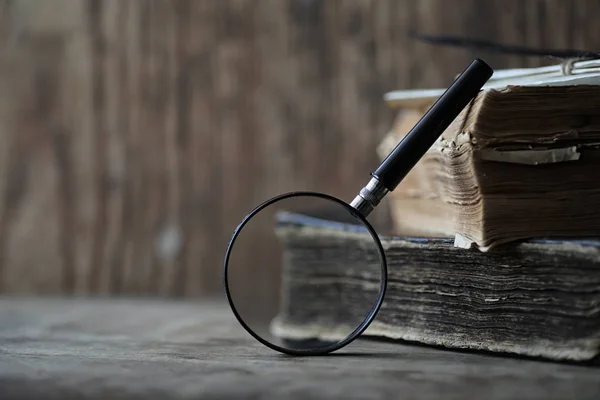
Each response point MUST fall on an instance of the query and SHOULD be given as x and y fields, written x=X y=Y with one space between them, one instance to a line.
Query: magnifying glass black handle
x=423 y=135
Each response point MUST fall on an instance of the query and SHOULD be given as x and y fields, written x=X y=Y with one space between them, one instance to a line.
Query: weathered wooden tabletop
x=145 y=349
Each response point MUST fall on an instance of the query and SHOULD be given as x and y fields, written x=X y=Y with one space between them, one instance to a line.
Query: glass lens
x=305 y=273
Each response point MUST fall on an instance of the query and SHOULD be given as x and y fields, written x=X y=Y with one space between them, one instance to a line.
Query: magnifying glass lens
x=305 y=273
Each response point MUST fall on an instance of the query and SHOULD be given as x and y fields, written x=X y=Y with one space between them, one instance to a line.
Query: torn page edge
x=463 y=242
x=530 y=157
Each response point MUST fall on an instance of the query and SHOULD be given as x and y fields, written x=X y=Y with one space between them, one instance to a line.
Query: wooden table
x=146 y=349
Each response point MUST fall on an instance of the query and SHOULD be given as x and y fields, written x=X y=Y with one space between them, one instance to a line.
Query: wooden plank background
x=135 y=134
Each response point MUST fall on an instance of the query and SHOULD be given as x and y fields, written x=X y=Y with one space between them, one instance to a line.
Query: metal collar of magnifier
x=369 y=197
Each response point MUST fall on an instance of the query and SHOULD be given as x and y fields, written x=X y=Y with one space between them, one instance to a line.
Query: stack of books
x=494 y=245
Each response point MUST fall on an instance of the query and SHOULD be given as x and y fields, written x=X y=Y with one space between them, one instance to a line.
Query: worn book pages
x=519 y=162
x=537 y=298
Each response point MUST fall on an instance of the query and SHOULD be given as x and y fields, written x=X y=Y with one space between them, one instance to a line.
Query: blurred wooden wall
x=135 y=133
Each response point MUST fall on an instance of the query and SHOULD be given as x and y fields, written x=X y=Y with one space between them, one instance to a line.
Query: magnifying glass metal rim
x=366 y=322
x=386 y=177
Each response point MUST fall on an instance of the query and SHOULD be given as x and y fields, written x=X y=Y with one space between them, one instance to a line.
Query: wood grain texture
x=147 y=349
x=136 y=134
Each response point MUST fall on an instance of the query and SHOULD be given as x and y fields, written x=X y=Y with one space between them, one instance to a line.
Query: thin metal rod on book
x=423 y=135
x=495 y=47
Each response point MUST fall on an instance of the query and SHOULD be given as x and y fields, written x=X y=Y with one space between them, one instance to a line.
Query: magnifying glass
x=316 y=308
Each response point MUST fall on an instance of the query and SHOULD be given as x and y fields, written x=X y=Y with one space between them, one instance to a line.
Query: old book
x=535 y=298
x=522 y=161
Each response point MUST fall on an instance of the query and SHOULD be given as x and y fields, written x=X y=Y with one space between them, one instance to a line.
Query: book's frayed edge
x=581 y=246
x=574 y=350
x=516 y=156
x=530 y=157
x=464 y=242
